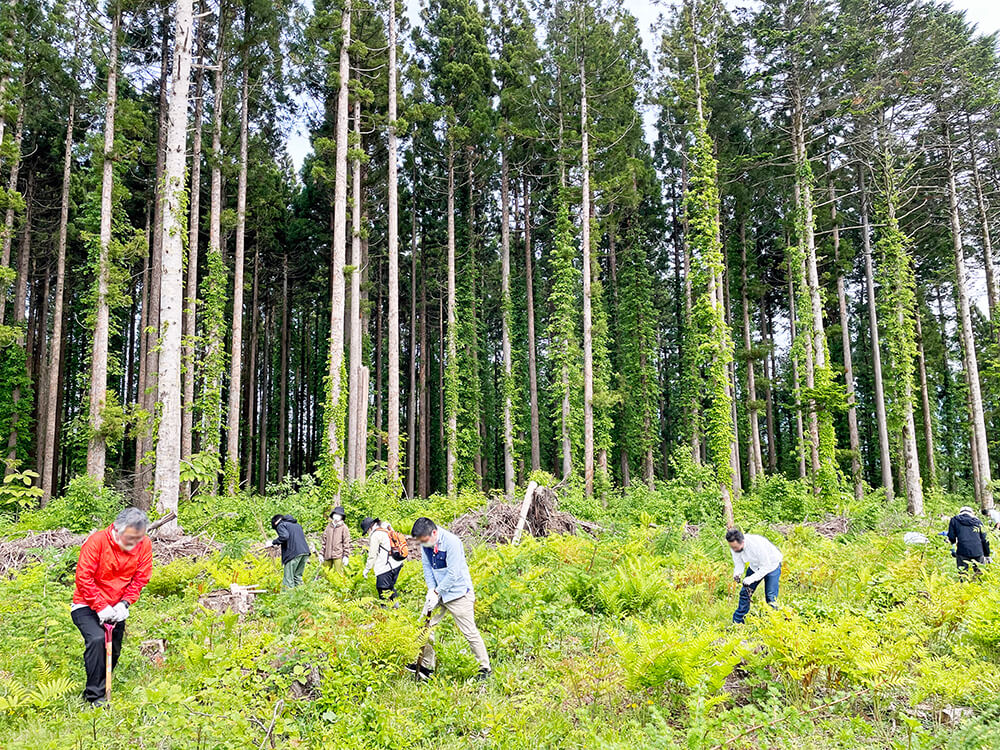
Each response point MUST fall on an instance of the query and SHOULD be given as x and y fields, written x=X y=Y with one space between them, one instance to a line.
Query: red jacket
x=106 y=574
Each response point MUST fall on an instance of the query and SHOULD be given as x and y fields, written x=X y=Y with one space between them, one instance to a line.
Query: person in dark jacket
x=966 y=532
x=294 y=549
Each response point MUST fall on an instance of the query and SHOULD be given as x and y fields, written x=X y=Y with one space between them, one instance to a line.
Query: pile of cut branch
x=16 y=553
x=498 y=522
x=831 y=528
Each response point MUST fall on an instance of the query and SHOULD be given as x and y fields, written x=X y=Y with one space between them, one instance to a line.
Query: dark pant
x=385 y=583
x=963 y=563
x=92 y=630
x=746 y=591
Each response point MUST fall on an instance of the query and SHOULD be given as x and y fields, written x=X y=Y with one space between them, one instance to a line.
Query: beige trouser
x=463 y=612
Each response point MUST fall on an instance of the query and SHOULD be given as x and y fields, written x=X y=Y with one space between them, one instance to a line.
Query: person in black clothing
x=294 y=549
x=966 y=532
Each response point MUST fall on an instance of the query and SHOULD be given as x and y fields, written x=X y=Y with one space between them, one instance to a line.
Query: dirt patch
x=831 y=528
x=16 y=553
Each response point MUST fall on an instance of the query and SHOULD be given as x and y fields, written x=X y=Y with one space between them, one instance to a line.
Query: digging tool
x=109 y=629
x=424 y=631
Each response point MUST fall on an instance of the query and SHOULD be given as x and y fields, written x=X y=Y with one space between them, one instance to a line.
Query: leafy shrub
x=378 y=499
x=774 y=498
x=17 y=492
x=664 y=655
x=86 y=505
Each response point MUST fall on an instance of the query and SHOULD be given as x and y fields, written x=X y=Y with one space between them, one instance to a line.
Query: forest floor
x=618 y=640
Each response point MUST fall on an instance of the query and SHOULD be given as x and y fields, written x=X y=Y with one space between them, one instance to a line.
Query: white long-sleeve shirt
x=379 y=559
x=759 y=554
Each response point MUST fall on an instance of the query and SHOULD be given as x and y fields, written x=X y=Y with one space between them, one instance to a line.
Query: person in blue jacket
x=449 y=590
x=294 y=549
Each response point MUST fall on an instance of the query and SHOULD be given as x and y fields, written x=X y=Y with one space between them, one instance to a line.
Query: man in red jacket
x=115 y=563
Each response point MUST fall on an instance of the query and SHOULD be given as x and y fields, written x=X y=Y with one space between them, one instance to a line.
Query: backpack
x=397 y=545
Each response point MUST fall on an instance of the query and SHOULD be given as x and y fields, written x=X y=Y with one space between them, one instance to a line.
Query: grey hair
x=131 y=518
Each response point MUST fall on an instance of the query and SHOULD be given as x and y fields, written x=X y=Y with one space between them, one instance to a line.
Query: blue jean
x=746 y=591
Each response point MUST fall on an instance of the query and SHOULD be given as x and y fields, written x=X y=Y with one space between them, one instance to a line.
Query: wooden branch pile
x=831 y=528
x=16 y=553
x=501 y=522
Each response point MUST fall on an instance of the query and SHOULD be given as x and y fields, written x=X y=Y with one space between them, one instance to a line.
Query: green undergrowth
x=618 y=642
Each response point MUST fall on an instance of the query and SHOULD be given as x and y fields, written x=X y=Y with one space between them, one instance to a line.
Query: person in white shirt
x=755 y=559
x=380 y=558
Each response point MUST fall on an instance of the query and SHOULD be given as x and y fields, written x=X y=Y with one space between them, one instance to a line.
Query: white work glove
x=121 y=611
x=347 y=560
x=107 y=615
x=430 y=602
x=364 y=573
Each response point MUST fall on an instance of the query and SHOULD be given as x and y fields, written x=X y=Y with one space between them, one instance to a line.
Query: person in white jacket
x=380 y=561
x=755 y=559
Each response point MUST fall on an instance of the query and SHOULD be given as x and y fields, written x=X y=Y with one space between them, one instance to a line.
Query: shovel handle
x=109 y=628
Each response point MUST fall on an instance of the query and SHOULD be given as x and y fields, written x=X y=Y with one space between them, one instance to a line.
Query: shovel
x=420 y=656
x=109 y=628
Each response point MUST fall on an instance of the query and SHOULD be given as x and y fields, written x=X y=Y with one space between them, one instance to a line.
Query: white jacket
x=759 y=554
x=379 y=559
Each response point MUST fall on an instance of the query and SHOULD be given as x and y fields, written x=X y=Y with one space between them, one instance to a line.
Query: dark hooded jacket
x=291 y=538
x=969 y=536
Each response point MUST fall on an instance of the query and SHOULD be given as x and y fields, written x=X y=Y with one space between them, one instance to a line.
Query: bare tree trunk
x=424 y=408
x=168 y=444
x=473 y=346
x=140 y=484
x=283 y=376
x=925 y=403
x=355 y=400
x=232 y=472
x=968 y=341
x=767 y=335
x=265 y=386
x=452 y=364
x=529 y=256
x=411 y=410
x=23 y=279
x=392 y=455
x=250 y=394
x=845 y=340
x=588 y=343
x=99 y=350
x=55 y=347
x=441 y=367
x=505 y=304
x=984 y=225
x=191 y=292
x=796 y=389
x=144 y=476
x=883 y=433
x=756 y=463
x=334 y=426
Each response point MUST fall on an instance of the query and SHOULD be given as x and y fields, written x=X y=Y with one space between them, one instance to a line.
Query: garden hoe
x=109 y=628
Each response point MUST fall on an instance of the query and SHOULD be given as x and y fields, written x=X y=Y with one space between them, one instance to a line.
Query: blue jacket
x=445 y=569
